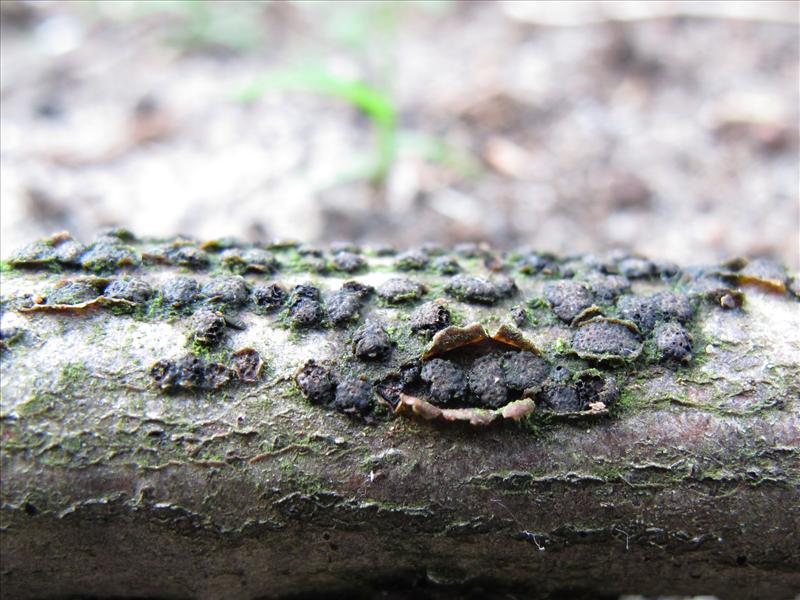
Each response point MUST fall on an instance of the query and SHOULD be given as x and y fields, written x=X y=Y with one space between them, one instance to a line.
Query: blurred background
x=666 y=128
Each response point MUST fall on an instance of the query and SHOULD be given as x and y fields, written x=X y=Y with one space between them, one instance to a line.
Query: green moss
x=398 y=337
x=402 y=299
x=333 y=271
x=538 y=424
x=200 y=350
x=490 y=319
x=13 y=338
x=38 y=404
x=54 y=267
x=531 y=318
x=539 y=313
x=578 y=374
x=71 y=444
x=561 y=347
x=457 y=318
x=609 y=471
x=292 y=392
x=650 y=353
x=630 y=399
x=155 y=308
x=293 y=262
x=5 y=266
x=538 y=303
x=700 y=341
x=381 y=410
x=121 y=309
x=73 y=373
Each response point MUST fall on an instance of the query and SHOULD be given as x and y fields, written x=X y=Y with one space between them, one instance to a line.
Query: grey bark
x=113 y=487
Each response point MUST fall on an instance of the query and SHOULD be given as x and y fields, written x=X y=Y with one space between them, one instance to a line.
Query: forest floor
x=556 y=126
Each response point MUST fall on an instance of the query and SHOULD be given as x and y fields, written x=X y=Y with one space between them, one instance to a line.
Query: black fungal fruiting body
x=354 y=396
x=607 y=288
x=75 y=292
x=189 y=257
x=348 y=262
x=251 y=260
x=564 y=393
x=247 y=365
x=226 y=291
x=446 y=265
x=716 y=289
x=518 y=316
x=190 y=373
x=305 y=307
x=673 y=342
x=400 y=290
x=131 y=289
x=348 y=394
x=60 y=250
x=107 y=255
x=635 y=267
x=306 y=313
x=344 y=305
x=533 y=263
x=647 y=311
x=448 y=383
x=487 y=381
x=600 y=338
x=317 y=383
x=478 y=290
x=180 y=292
x=568 y=298
x=207 y=327
x=523 y=371
x=430 y=318
x=268 y=297
x=413 y=260
x=371 y=342
x=561 y=398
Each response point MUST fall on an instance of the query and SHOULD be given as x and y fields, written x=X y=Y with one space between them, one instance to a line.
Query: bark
x=114 y=486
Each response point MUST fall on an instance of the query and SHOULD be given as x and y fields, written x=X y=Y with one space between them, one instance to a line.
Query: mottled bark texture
x=157 y=440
